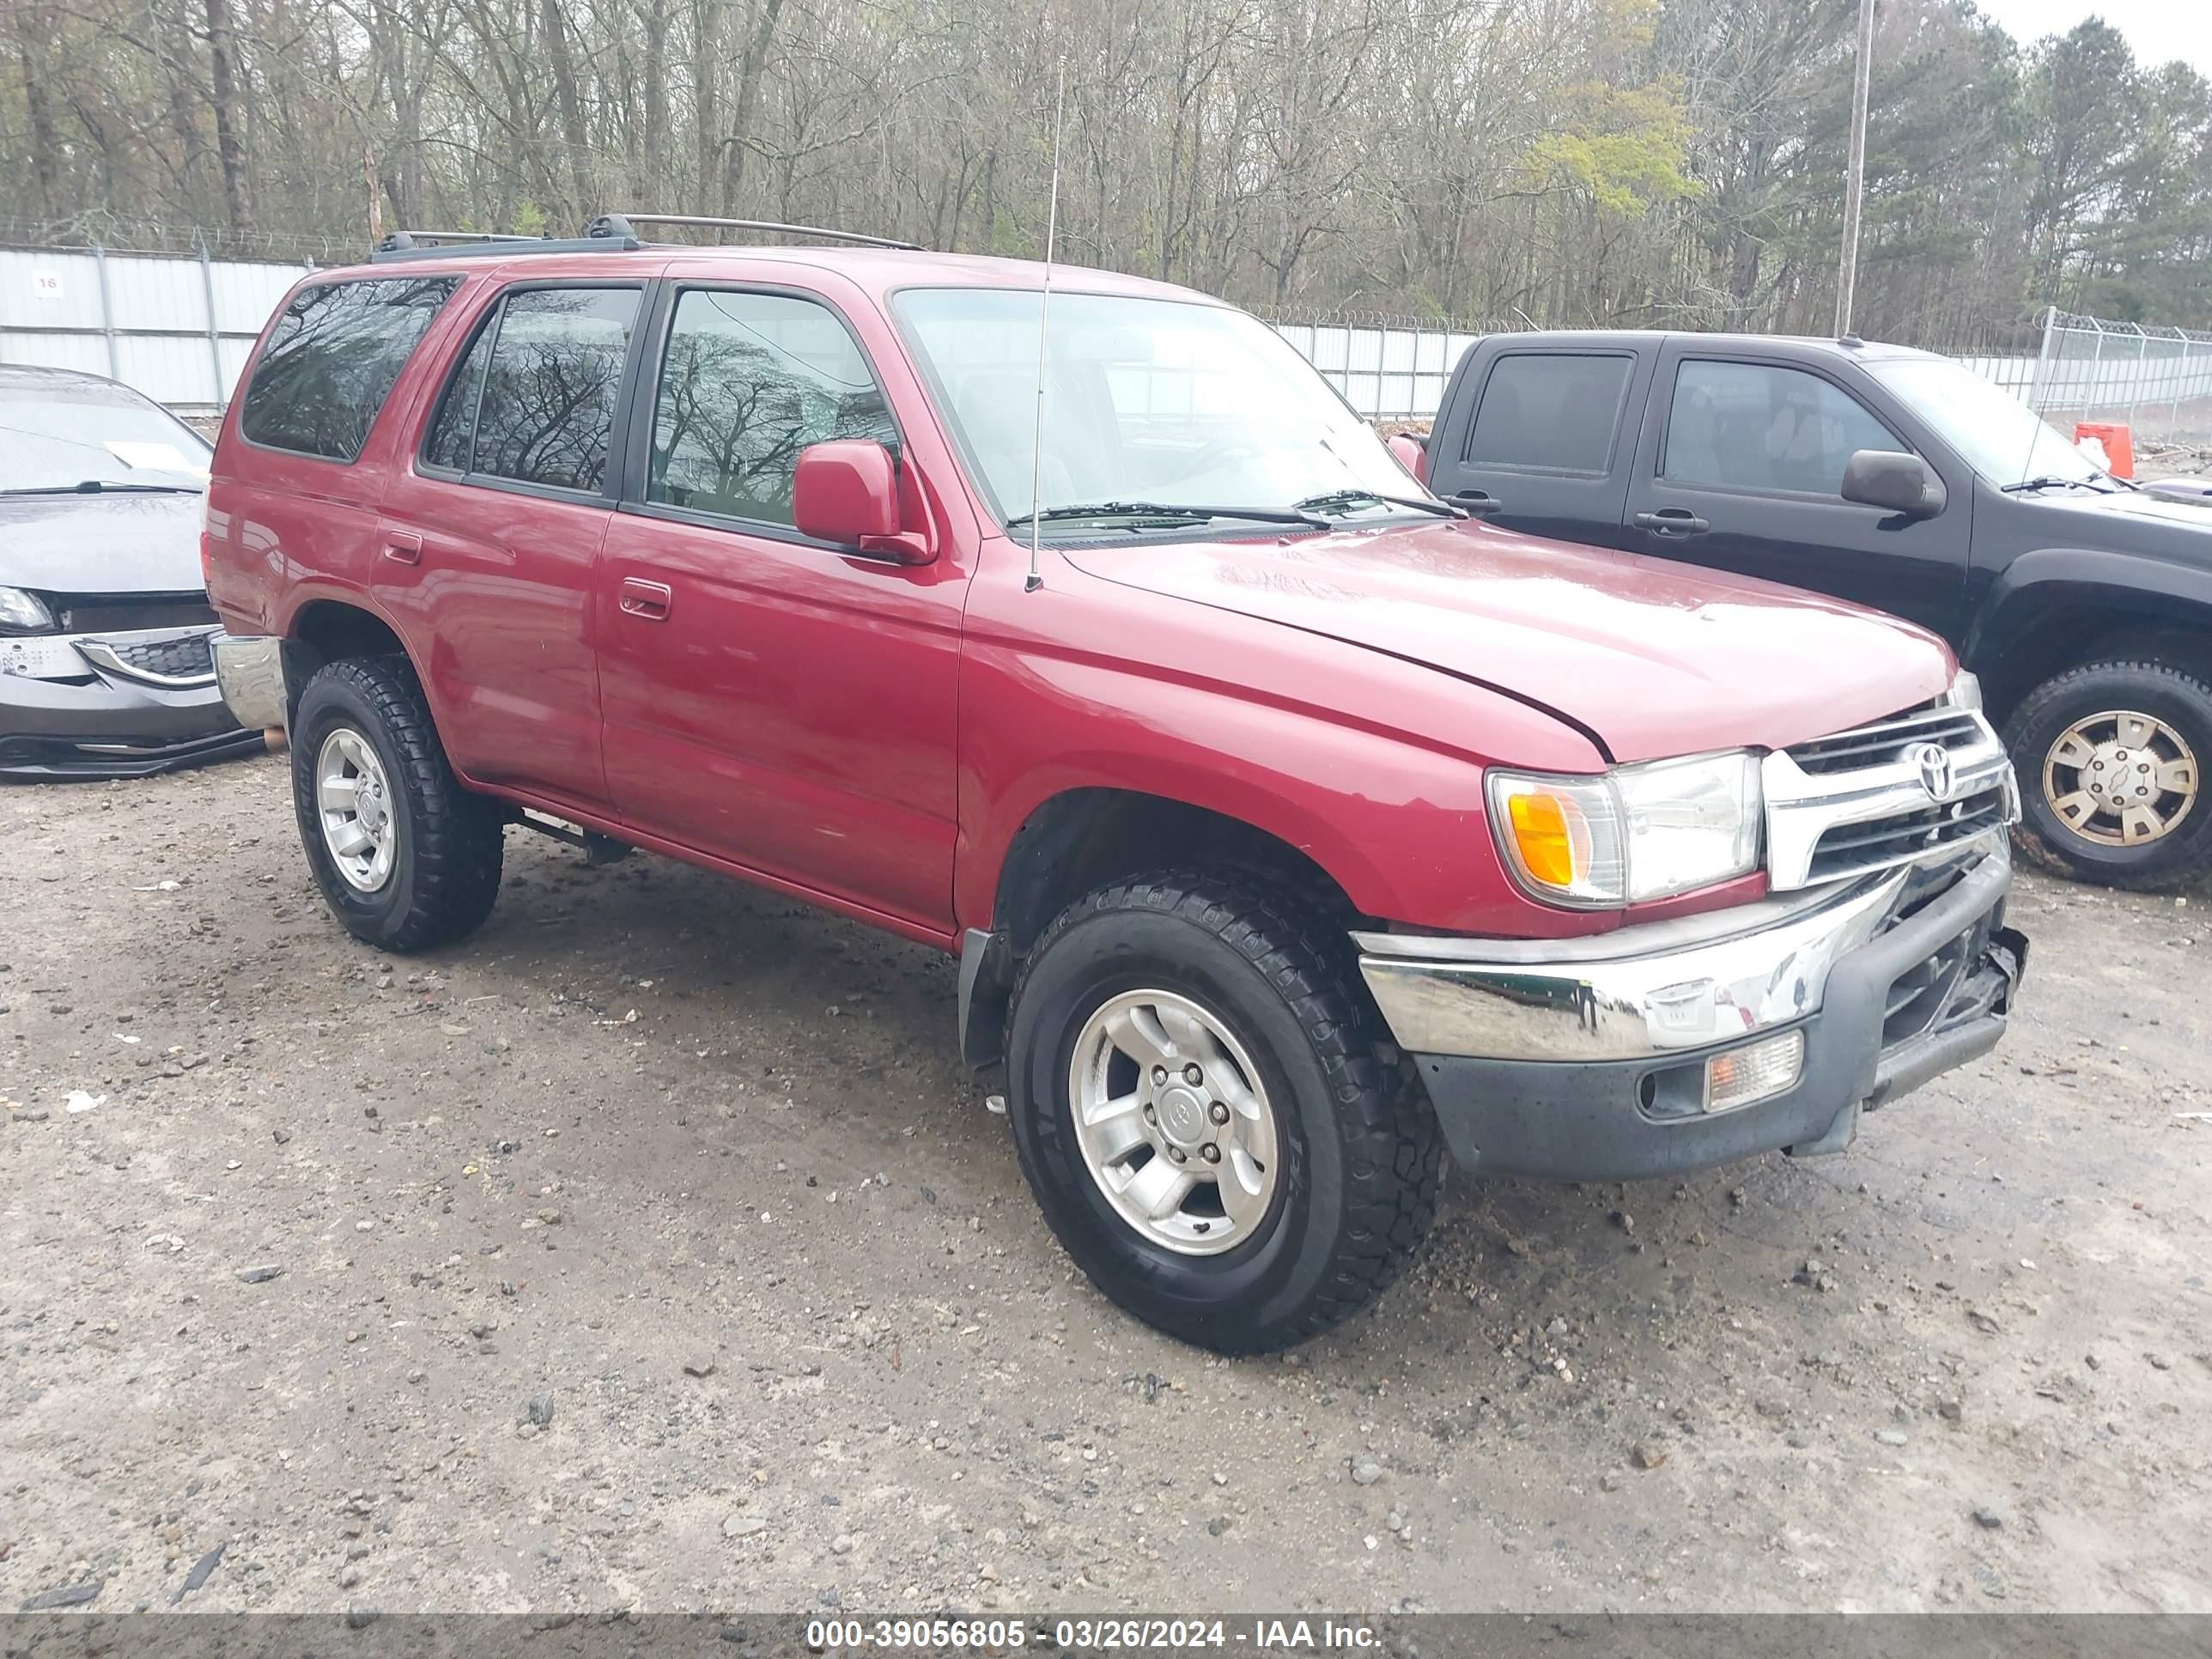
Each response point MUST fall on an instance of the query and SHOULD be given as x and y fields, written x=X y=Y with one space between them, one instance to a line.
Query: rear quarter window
x=1550 y=411
x=333 y=359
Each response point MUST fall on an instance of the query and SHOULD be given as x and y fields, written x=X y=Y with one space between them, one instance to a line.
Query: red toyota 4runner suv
x=1289 y=827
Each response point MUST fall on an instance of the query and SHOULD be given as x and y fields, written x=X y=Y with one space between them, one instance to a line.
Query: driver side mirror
x=847 y=491
x=1901 y=483
x=1413 y=455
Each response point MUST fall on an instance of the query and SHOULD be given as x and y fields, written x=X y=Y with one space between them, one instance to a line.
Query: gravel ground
x=653 y=1250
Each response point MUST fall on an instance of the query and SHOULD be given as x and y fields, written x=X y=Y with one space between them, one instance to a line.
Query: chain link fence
x=2156 y=381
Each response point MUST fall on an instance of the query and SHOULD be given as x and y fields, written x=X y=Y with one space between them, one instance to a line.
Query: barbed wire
x=122 y=234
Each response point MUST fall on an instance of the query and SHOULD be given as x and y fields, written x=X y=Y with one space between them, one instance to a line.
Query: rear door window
x=332 y=359
x=1550 y=411
x=533 y=399
x=1760 y=426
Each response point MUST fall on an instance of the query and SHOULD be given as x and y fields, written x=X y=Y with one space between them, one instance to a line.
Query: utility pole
x=1854 y=184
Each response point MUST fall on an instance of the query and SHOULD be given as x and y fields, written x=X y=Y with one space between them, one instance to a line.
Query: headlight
x=23 y=613
x=1637 y=833
x=1966 y=691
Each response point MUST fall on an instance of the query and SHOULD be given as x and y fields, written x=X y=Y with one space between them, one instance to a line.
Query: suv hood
x=1652 y=658
x=125 y=543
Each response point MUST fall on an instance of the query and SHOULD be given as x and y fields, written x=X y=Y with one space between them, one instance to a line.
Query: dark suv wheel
x=405 y=856
x=2109 y=757
x=1202 y=1108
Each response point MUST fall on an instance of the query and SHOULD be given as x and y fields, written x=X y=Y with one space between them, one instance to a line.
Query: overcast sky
x=2157 y=29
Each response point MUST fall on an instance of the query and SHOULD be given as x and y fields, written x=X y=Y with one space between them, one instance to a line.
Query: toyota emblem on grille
x=1934 y=761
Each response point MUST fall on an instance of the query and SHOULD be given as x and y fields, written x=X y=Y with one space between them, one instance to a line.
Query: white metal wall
x=179 y=327
x=175 y=326
x=1386 y=372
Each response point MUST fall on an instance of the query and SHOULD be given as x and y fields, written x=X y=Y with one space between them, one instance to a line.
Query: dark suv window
x=533 y=399
x=1759 y=426
x=1556 y=412
x=748 y=382
x=333 y=359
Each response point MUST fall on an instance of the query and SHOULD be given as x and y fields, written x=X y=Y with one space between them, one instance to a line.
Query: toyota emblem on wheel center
x=1934 y=761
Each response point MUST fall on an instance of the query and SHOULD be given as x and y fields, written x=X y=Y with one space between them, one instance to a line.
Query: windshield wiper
x=103 y=487
x=1170 y=510
x=1344 y=498
x=2051 y=481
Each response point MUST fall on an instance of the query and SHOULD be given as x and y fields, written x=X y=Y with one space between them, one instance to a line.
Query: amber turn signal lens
x=1544 y=838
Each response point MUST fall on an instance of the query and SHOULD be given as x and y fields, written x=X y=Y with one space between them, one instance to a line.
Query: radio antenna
x=1044 y=307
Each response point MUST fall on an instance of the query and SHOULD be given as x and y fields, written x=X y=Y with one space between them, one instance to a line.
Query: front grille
x=186 y=657
x=1903 y=836
x=1857 y=801
x=116 y=613
x=1867 y=745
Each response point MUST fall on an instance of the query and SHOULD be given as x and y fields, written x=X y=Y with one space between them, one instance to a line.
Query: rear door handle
x=647 y=601
x=1478 y=502
x=1672 y=521
x=402 y=546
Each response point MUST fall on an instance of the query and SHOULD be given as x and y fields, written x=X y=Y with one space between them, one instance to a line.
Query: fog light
x=1744 y=1075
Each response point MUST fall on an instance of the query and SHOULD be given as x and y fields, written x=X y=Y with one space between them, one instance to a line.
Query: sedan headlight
x=1634 y=834
x=23 y=613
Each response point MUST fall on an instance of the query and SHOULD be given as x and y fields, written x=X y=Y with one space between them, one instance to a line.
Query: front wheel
x=2109 y=757
x=1200 y=1105
x=404 y=856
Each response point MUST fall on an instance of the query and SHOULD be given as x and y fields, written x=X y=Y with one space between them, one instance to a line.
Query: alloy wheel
x=1173 y=1122
x=2120 y=778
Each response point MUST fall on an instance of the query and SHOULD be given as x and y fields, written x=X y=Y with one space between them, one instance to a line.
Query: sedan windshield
x=2002 y=439
x=59 y=438
x=1150 y=406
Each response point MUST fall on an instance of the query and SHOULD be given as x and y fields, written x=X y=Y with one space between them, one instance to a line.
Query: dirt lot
x=653 y=1250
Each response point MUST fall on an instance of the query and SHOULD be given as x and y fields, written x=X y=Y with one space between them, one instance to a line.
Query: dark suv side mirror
x=847 y=491
x=1902 y=483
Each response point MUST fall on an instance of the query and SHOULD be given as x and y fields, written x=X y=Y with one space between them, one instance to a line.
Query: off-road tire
x=446 y=871
x=2173 y=694
x=1360 y=1146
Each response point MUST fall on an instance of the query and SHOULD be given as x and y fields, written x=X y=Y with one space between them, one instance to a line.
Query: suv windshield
x=59 y=437
x=1150 y=406
x=2002 y=439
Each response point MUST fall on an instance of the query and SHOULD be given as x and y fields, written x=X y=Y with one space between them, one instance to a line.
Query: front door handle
x=1480 y=502
x=646 y=601
x=1672 y=521
x=402 y=546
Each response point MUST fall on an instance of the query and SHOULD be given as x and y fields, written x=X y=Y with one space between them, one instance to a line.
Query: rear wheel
x=1202 y=1109
x=2109 y=757
x=404 y=856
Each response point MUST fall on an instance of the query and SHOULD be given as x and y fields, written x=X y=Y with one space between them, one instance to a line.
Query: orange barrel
x=2119 y=448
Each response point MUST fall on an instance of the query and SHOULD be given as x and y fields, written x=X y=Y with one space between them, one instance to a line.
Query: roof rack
x=453 y=244
x=620 y=225
x=611 y=232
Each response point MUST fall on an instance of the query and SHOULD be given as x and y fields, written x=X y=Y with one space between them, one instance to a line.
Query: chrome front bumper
x=250 y=669
x=1597 y=1059
x=1656 y=989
